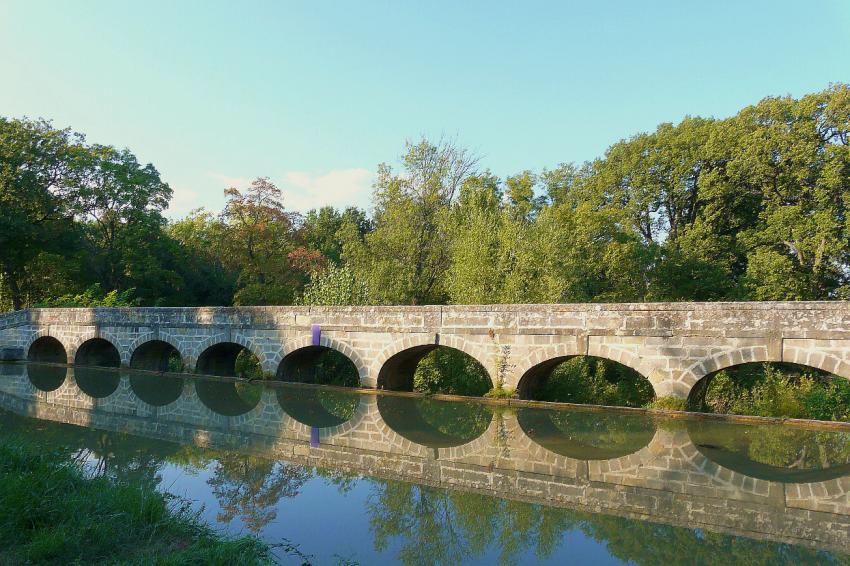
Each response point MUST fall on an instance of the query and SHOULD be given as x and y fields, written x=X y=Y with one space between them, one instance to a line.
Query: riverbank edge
x=811 y=424
x=53 y=512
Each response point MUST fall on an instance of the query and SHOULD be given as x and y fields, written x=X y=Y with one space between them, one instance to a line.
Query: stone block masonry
x=673 y=345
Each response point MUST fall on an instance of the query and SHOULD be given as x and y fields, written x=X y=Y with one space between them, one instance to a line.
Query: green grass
x=52 y=512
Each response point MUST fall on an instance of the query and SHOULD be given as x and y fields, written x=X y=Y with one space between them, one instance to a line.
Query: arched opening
x=585 y=380
x=157 y=355
x=46 y=378
x=435 y=423
x=98 y=352
x=229 y=359
x=228 y=398
x=319 y=365
x=780 y=453
x=316 y=407
x=156 y=390
x=585 y=435
x=96 y=382
x=773 y=389
x=435 y=369
x=47 y=349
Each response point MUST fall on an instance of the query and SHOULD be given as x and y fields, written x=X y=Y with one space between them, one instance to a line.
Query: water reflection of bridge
x=671 y=472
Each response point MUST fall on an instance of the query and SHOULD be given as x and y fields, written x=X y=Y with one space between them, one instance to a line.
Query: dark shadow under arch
x=224 y=359
x=97 y=382
x=47 y=349
x=47 y=378
x=318 y=365
x=771 y=452
x=434 y=423
x=318 y=407
x=228 y=398
x=97 y=352
x=156 y=355
x=448 y=370
x=583 y=435
x=585 y=380
x=156 y=390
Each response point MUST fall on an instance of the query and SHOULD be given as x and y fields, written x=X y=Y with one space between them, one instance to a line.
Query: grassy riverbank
x=52 y=512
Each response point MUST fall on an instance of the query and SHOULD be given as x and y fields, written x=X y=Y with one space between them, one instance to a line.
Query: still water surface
x=381 y=479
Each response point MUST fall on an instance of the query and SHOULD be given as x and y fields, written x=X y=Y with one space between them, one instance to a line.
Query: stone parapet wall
x=673 y=345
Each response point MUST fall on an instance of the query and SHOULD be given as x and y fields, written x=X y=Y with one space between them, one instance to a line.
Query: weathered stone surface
x=11 y=354
x=673 y=345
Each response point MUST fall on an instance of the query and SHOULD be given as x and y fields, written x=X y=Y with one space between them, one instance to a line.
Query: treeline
x=748 y=207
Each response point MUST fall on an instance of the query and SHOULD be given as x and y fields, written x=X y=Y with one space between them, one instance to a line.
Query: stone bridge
x=673 y=345
x=661 y=472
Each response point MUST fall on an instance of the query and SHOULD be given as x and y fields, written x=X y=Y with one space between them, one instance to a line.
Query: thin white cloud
x=183 y=201
x=301 y=190
x=342 y=187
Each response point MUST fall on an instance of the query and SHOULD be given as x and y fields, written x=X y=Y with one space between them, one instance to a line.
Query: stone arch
x=151 y=352
x=45 y=348
x=402 y=356
x=211 y=342
x=757 y=354
x=539 y=364
x=73 y=340
x=97 y=351
x=332 y=343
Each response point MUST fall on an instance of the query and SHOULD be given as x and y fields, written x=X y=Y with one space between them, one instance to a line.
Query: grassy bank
x=52 y=512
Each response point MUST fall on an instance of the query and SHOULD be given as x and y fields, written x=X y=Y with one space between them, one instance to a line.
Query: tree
x=259 y=235
x=35 y=178
x=405 y=258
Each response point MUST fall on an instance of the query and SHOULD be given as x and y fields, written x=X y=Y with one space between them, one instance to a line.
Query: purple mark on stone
x=314 y=437
x=317 y=335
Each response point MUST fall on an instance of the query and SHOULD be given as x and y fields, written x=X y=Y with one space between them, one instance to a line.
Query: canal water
x=385 y=479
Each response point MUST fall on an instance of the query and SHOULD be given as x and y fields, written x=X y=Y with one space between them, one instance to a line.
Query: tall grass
x=53 y=512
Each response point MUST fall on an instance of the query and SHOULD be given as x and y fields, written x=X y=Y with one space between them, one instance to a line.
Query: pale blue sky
x=315 y=95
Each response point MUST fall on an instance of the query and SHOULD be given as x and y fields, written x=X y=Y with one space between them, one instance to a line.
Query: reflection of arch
x=228 y=398
x=97 y=352
x=156 y=390
x=585 y=435
x=47 y=349
x=300 y=366
x=97 y=382
x=325 y=341
x=46 y=378
x=733 y=451
x=220 y=358
x=537 y=375
x=152 y=353
x=318 y=407
x=415 y=418
x=398 y=362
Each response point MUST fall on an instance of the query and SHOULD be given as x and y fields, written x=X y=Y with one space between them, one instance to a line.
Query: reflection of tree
x=439 y=526
x=251 y=487
x=446 y=527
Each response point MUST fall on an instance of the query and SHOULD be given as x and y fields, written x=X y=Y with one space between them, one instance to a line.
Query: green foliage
x=335 y=286
x=247 y=365
x=585 y=379
x=775 y=390
x=92 y=297
x=52 y=513
x=668 y=404
x=446 y=370
x=501 y=393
